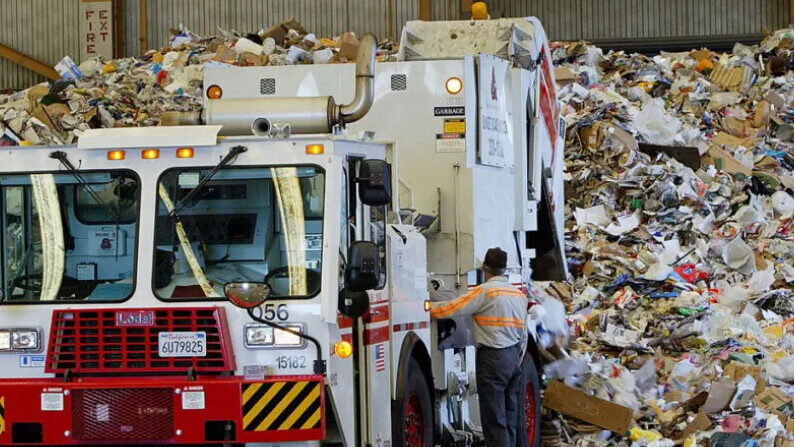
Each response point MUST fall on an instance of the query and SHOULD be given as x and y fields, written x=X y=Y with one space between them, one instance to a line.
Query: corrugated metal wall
x=322 y=17
x=43 y=29
x=48 y=29
x=618 y=19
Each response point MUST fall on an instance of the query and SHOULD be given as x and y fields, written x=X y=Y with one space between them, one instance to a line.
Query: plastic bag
x=655 y=125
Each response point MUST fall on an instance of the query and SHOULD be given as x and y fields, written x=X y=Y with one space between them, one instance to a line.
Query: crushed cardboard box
x=576 y=403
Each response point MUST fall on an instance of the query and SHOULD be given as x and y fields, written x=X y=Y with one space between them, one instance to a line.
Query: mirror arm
x=319 y=365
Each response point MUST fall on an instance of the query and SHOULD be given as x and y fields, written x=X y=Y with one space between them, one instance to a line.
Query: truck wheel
x=412 y=421
x=532 y=404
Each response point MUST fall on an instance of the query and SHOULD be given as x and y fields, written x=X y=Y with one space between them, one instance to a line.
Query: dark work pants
x=521 y=397
x=498 y=378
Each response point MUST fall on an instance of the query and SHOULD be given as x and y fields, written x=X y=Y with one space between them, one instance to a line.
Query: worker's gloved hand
x=454 y=333
x=446 y=327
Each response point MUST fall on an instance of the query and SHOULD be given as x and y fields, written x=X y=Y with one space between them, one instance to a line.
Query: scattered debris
x=679 y=185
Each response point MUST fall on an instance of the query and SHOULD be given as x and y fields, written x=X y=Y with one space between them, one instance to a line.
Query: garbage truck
x=261 y=272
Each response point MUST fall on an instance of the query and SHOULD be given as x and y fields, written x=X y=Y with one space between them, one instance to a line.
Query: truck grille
x=109 y=414
x=126 y=340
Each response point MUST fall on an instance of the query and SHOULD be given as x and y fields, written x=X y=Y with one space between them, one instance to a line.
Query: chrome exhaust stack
x=303 y=115
x=238 y=116
x=365 y=83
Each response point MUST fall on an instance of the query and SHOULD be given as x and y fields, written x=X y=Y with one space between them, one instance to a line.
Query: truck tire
x=412 y=419
x=532 y=404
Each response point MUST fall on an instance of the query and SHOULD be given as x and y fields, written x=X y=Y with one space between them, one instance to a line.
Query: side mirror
x=247 y=294
x=375 y=183
x=363 y=271
x=353 y=304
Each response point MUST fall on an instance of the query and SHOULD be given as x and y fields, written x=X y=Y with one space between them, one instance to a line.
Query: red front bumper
x=161 y=410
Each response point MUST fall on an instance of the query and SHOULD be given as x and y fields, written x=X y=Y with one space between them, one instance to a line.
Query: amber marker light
x=185 y=152
x=214 y=92
x=314 y=149
x=116 y=155
x=343 y=349
x=150 y=154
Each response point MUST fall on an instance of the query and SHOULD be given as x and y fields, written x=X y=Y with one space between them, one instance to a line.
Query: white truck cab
x=114 y=313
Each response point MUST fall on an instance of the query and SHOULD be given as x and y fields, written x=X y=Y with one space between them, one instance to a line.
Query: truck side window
x=344 y=228
x=354 y=205
x=344 y=223
x=376 y=232
x=14 y=232
x=366 y=223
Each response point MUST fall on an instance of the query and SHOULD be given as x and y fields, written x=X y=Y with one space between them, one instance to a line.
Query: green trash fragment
x=742 y=357
x=688 y=311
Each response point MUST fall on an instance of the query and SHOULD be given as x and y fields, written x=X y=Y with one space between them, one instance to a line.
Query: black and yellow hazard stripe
x=281 y=406
x=2 y=415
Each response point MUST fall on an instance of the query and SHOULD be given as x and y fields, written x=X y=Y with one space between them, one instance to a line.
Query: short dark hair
x=495 y=261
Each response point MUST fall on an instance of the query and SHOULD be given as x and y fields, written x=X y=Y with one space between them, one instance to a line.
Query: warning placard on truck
x=193 y=400
x=451 y=142
x=455 y=125
x=51 y=401
x=495 y=136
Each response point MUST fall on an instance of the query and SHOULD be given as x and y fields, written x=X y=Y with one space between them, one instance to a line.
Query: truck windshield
x=64 y=241
x=246 y=224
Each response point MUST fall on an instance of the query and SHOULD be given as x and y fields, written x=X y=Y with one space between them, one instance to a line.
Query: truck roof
x=130 y=137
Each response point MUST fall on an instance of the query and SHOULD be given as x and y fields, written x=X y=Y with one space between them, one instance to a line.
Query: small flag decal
x=380 y=357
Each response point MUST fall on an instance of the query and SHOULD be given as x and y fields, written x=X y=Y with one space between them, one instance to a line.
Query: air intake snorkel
x=304 y=115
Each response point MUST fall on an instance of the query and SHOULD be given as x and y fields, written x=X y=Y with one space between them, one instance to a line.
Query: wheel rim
x=413 y=424
x=530 y=413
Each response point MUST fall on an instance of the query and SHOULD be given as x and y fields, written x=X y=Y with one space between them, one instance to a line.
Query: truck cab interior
x=241 y=225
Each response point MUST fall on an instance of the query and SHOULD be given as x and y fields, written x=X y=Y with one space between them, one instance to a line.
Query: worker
x=499 y=311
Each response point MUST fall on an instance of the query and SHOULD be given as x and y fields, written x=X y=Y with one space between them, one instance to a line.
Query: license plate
x=182 y=344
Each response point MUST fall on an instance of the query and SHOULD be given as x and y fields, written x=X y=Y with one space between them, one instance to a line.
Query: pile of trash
x=135 y=91
x=679 y=187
